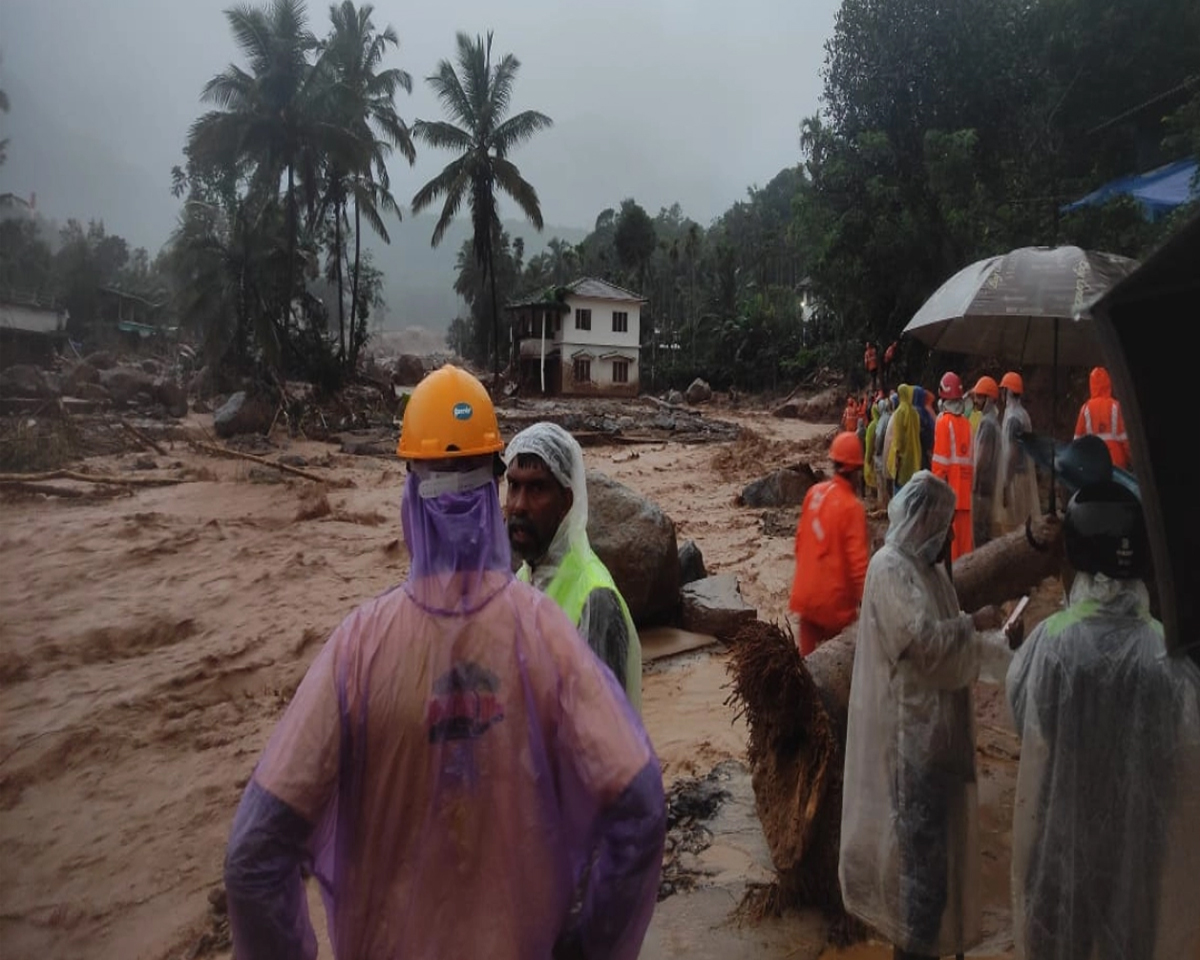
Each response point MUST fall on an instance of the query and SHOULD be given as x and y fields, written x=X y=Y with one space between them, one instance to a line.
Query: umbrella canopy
x=1002 y=306
x=1139 y=324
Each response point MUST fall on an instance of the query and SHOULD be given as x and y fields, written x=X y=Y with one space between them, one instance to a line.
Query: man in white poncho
x=909 y=863
x=1105 y=835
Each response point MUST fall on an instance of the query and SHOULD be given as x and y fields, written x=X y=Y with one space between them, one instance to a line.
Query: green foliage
x=298 y=139
x=476 y=95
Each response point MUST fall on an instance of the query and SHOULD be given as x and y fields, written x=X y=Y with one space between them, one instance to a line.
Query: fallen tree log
x=263 y=461
x=796 y=710
x=91 y=478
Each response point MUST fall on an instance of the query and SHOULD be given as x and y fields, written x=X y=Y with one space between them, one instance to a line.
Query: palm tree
x=268 y=123
x=476 y=98
x=363 y=98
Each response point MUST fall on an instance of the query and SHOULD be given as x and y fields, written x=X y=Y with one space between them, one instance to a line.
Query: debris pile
x=691 y=803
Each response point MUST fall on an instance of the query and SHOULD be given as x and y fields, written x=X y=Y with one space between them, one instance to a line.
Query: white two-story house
x=579 y=340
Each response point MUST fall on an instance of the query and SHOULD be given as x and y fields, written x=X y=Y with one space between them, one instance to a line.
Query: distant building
x=579 y=340
x=31 y=328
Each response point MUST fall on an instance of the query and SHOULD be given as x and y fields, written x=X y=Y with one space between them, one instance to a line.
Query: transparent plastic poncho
x=604 y=622
x=1105 y=835
x=909 y=863
x=1016 y=495
x=459 y=773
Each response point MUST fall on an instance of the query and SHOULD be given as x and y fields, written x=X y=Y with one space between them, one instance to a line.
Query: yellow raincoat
x=869 y=477
x=904 y=456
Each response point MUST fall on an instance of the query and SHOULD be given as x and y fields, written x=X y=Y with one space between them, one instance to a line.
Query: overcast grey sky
x=662 y=100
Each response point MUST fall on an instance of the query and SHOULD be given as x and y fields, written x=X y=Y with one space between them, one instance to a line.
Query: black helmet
x=1085 y=462
x=1104 y=532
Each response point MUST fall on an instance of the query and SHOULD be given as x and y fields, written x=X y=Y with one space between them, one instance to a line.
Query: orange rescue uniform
x=831 y=562
x=953 y=461
x=1101 y=417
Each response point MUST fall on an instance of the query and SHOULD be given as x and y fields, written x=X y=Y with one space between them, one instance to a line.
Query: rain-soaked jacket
x=983 y=478
x=570 y=572
x=922 y=401
x=881 y=435
x=457 y=770
x=1017 y=498
x=872 y=441
x=1106 y=837
x=831 y=556
x=1101 y=417
x=909 y=863
x=904 y=454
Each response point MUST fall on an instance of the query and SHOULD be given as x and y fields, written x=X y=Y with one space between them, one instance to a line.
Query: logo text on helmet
x=462 y=411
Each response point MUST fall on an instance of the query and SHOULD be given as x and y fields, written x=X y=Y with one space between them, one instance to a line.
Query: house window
x=620 y=321
x=620 y=371
x=583 y=319
x=583 y=371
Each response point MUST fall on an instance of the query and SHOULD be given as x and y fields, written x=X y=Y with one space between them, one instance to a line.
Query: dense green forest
x=944 y=134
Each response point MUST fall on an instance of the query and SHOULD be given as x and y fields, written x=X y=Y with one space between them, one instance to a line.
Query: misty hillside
x=419 y=285
x=75 y=175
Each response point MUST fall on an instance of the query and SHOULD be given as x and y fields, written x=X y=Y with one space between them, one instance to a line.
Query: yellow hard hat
x=449 y=415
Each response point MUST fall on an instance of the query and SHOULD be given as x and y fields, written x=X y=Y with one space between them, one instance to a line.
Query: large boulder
x=691 y=563
x=715 y=606
x=409 y=371
x=172 y=396
x=83 y=372
x=783 y=488
x=674 y=397
x=242 y=413
x=636 y=541
x=24 y=380
x=127 y=383
x=101 y=360
x=699 y=391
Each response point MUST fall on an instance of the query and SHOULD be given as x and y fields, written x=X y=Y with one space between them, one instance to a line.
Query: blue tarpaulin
x=1158 y=191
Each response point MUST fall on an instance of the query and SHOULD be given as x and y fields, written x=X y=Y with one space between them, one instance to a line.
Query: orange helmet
x=846 y=450
x=951 y=387
x=449 y=415
x=1013 y=382
x=986 y=387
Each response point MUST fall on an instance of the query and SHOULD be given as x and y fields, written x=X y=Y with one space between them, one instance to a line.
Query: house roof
x=551 y=298
x=602 y=290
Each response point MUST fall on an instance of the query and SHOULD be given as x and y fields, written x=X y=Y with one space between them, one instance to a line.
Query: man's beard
x=533 y=547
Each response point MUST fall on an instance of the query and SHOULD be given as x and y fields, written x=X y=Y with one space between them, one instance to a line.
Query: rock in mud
x=409 y=371
x=83 y=372
x=691 y=563
x=699 y=391
x=172 y=396
x=242 y=413
x=715 y=606
x=127 y=383
x=787 y=411
x=783 y=488
x=101 y=360
x=636 y=541
x=24 y=380
x=674 y=397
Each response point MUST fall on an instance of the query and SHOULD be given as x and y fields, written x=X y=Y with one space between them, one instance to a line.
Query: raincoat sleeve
x=984 y=475
x=612 y=761
x=1081 y=422
x=947 y=652
x=269 y=845
x=602 y=623
x=857 y=551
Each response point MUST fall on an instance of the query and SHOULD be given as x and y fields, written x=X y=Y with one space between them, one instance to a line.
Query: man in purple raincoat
x=460 y=773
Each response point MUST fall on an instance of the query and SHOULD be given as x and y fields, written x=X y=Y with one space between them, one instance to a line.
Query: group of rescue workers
x=465 y=772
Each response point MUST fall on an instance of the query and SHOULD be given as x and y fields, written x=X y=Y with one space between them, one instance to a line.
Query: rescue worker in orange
x=850 y=415
x=953 y=459
x=831 y=549
x=871 y=362
x=1101 y=417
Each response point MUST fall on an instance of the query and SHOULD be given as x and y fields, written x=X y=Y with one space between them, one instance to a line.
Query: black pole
x=1054 y=426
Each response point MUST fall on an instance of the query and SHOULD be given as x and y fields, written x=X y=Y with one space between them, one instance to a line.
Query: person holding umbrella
x=1016 y=475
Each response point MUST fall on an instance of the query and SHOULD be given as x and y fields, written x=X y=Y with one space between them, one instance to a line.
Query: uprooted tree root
x=796 y=712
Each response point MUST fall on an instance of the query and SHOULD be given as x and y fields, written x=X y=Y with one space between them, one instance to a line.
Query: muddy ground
x=149 y=644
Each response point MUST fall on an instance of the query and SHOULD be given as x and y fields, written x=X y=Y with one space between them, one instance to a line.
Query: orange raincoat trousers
x=953 y=461
x=831 y=562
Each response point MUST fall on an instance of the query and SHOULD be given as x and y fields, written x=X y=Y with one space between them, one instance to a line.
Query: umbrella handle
x=1033 y=541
